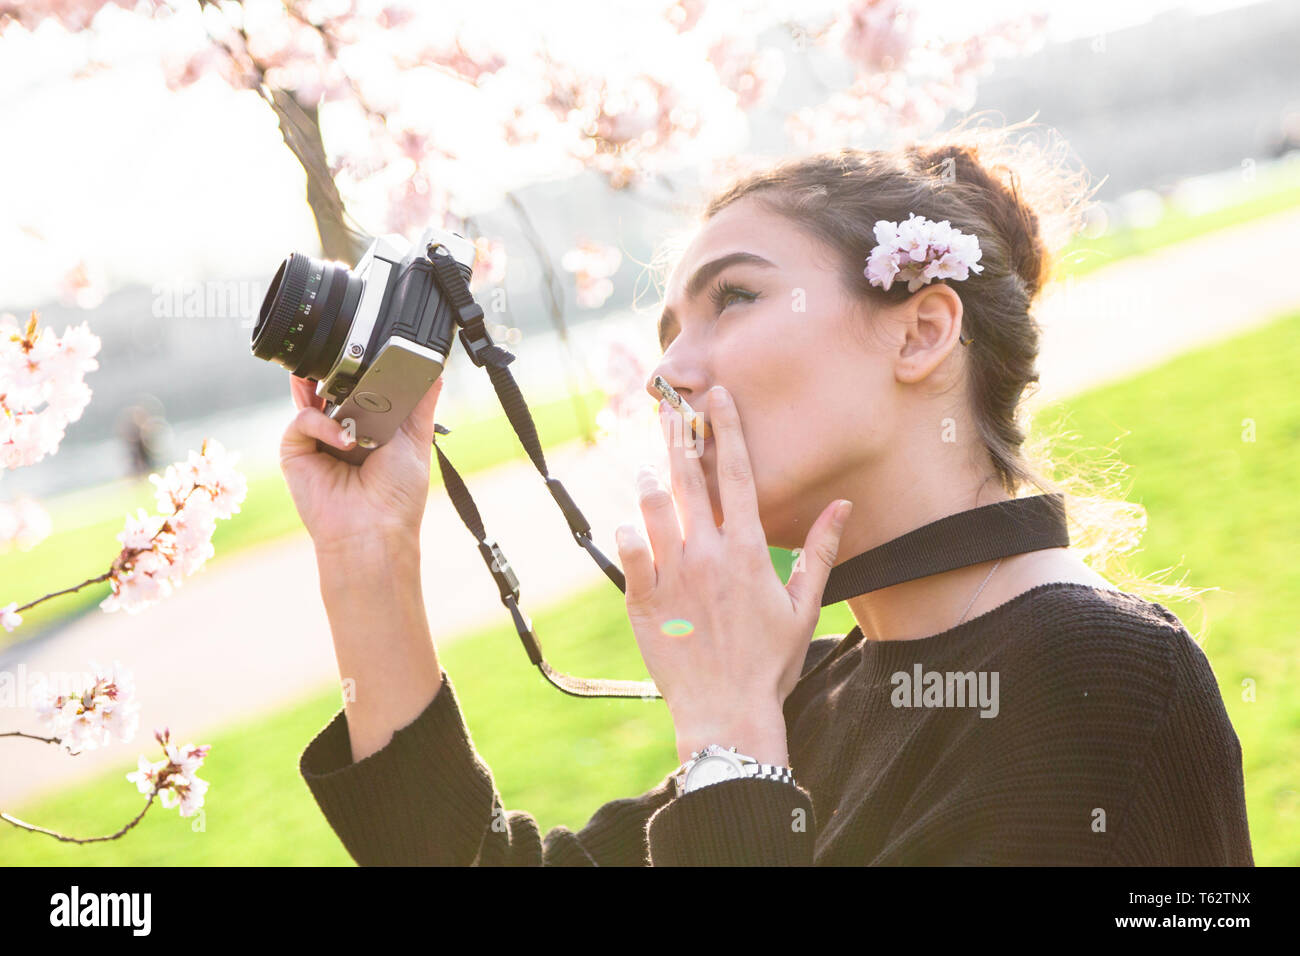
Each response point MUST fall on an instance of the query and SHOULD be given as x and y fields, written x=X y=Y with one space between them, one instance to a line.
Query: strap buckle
x=504 y=575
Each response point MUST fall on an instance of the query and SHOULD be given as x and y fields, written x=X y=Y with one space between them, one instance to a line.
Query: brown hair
x=1024 y=196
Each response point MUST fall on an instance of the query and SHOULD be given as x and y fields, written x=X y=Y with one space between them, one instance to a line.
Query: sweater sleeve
x=1189 y=808
x=427 y=798
x=743 y=822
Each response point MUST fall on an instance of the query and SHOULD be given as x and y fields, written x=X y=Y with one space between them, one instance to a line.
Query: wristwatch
x=715 y=764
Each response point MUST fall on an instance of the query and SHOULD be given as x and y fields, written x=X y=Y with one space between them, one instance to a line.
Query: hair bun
x=1028 y=192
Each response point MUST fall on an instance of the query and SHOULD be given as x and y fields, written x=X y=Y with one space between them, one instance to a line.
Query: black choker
x=969 y=537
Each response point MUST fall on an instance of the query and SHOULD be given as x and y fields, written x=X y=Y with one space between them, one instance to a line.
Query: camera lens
x=306 y=314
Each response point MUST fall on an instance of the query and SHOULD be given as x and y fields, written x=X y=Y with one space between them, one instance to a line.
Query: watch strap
x=750 y=767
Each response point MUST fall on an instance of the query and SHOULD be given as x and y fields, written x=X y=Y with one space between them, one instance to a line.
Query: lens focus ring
x=286 y=305
x=306 y=315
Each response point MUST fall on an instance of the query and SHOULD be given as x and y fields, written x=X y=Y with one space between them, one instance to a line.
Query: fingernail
x=842 y=512
x=723 y=395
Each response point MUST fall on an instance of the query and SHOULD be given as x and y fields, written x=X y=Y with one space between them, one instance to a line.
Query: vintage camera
x=374 y=338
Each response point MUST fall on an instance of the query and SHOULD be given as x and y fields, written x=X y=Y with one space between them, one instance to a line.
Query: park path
x=245 y=638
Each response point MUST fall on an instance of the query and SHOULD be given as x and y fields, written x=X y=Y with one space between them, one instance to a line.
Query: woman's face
x=757 y=306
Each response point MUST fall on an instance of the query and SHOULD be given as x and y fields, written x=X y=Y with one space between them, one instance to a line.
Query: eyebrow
x=702 y=277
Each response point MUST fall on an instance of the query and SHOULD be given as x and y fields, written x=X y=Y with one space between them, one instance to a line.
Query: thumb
x=808 y=579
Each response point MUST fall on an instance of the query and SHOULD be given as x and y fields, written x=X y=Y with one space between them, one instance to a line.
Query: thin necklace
x=977 y=593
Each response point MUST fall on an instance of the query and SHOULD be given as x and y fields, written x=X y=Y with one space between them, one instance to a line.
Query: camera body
x=374 y=338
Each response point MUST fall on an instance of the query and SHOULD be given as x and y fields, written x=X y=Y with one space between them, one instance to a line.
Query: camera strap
x=451 y=278
x=998 y=530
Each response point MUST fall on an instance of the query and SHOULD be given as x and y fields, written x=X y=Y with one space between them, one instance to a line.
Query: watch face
x=712 y=769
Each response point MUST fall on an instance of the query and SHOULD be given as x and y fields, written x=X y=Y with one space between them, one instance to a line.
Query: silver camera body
x=375 y=337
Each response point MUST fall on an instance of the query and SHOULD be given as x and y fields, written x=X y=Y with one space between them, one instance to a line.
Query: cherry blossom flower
x=173 y=778
x=91 y=718
x=622 y=377
x=84 y=285
x=9 y=616
x=876 y=35
x=919 y=250
x=592 y=263
x=489 y=261
x=23 y=524
x=72 y=14
x=159 y=551
x=751 y=75
x=41 y=387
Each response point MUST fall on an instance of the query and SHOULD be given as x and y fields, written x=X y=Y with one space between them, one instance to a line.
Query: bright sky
x=152 y=186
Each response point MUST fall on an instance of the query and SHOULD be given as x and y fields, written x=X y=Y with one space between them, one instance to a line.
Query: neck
x=900 y=503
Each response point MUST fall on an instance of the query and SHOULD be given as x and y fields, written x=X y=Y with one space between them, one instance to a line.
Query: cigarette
x=699 y=426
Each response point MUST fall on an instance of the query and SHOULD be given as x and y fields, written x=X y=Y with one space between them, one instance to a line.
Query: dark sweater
x=1110 y=745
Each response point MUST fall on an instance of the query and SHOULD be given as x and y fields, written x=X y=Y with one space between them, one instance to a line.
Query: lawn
x=1221 y=507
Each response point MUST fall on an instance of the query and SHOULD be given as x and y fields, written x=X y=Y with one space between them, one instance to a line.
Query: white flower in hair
x=919 y=250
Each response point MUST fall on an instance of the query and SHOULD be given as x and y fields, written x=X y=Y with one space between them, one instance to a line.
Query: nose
x=689 y=384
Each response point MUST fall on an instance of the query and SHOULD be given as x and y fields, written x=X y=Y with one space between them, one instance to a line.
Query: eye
x=723 y=293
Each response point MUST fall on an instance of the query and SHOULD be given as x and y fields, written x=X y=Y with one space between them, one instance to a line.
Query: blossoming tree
x=407 y=114
x=42 y=391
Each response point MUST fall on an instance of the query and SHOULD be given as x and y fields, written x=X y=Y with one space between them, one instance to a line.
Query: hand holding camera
x=345 y=506
x=366 y=349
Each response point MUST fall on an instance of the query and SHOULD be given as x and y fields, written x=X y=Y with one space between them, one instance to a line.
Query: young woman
x=865 y=351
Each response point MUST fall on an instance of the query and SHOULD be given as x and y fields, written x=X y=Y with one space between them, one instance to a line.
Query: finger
x=690 y=490
x=638 y=564
x=307 y=426
x=419 y=424
x=807 y=582
x=304 y=393
x=735 y=473
x=660 y=516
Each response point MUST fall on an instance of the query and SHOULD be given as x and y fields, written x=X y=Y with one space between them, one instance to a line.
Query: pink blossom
x=160 y=551
x=73 y=15
x=84 y=285
x=751 y=75
x=489 y=261
x=91 y=718
x=9 y=616
x=876 y=34
x=685 y=14
x=173 y=778
x=919 y=250
x=592 y=263
x=41 y=387
x=23 y=524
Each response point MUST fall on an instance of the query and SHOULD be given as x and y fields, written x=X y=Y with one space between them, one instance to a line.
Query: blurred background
x=161 y=159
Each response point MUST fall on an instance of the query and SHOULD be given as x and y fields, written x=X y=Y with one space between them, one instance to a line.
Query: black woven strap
x=451 y=279
x=958 y=540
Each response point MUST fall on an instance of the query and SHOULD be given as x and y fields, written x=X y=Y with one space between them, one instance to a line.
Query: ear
x=933 y=327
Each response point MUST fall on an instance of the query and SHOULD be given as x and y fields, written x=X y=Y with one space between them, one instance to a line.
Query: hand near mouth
x=723 y=638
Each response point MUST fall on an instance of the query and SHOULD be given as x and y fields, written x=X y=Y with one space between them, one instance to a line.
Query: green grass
x=260 y=811
x=84 y=540
x=1223 y=508
x=1273 y=191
